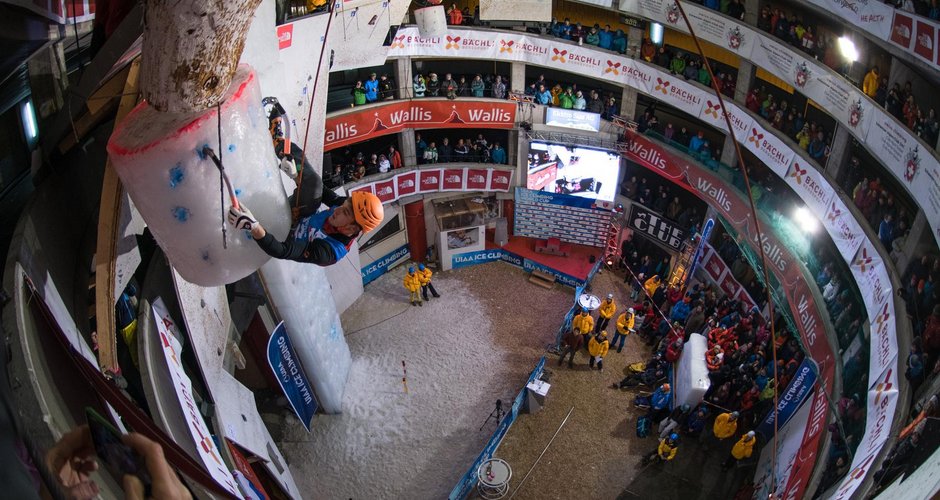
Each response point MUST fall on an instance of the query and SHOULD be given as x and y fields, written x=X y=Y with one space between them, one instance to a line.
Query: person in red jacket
x=714 y=358
x=674 y=351
x=455 y=15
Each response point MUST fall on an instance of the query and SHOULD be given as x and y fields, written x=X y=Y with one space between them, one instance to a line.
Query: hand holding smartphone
x=119 y=458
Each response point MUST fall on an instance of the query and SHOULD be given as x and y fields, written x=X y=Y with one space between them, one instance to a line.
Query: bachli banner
x=383 y=119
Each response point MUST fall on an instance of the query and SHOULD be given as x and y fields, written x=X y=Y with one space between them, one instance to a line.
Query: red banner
x=385 y=190
x=430 y=181
x=499 y=180
x=902 y=30
x=714 y=266
x=407 y=183
x=248 y=474
x=924 y=40
x=378 y=120
x=452 y=179
x=476 y=179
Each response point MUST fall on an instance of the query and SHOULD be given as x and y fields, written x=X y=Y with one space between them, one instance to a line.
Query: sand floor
x=475 y=344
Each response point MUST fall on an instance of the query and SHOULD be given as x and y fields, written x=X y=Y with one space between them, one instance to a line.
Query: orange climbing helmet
x=367 y=209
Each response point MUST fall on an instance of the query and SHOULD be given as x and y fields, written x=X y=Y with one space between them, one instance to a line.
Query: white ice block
x=175 y=186
x=301 y=294
x=691 y=374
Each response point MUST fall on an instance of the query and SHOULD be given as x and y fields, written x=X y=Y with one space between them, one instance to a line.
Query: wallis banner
x=374 y=121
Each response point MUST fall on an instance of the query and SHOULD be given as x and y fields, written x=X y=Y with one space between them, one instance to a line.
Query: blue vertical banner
x=799 y=389
x=700 y=249
x=290 y=374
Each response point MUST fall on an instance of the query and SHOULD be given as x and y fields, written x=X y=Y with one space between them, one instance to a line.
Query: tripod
x=496 y=414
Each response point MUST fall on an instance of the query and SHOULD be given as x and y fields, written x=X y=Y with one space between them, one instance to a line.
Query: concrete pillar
x=628 y=102
x=517 y=78
x=408 y=150
x=746 y=76
x=514 y=145
x=634 y=40
x=728 y=155
x=403 y=78
x=48 y=80
x=919 y=228
x=751 y=11
x=839 y=153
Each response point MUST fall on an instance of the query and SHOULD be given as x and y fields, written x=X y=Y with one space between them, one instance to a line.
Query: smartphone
x=118 y=458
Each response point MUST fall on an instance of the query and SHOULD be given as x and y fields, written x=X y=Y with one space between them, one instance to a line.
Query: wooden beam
x=100 y=106
x=108 y=226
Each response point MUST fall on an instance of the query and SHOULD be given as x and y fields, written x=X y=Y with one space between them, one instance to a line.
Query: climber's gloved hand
x=241 y=218
x=289 y=167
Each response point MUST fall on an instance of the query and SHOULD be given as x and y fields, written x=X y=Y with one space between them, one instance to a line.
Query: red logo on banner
x=864 y=260
x=505 y=46
x=476 y=179
x=712 y=109
x=924 y=40
x=662 y=85
x=729 y=285
x=398 y=42
x=430 y=180
x=612 y=67
x=452 y=42
x=834 y=212
x=407 y=183
x=714 y=266
x=367 y=188
x=755 y=137
x=798 y=173
x=902 y=29
x=883 y=386
x=453 y=178
x=559 y=55
x=499 y=180
x=285 y=36
x=385 y=190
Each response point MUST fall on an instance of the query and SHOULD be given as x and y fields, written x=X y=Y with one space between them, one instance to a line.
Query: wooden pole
x=106 y=254
x=191 y=50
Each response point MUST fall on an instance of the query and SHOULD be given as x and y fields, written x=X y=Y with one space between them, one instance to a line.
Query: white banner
x=882 y=402
x=602 y=3
x=891 y=143
x=673 y=90
x=789 y=439
x=202 y=438
x=769 y=149
x=842 y=226
x=809 y=185
x=872 y=16
x=720 y=29
x=741 y=121
x=875 y=285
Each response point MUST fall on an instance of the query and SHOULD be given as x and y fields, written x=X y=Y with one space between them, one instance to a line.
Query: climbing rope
x=757 y=227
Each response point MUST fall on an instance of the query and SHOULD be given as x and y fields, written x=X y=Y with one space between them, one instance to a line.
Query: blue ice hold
x=176 y=175
x=231 y=148
x=201 y=152
x=181 y=214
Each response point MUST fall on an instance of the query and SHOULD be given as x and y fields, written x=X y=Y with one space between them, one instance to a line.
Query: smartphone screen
x=117 y=457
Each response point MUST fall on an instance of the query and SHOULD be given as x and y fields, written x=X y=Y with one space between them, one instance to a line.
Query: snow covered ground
x=475 y=344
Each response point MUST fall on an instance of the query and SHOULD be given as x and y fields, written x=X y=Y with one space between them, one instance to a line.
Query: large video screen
x=589 y=173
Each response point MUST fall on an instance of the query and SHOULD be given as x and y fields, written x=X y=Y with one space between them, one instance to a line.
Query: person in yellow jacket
x=583 y=323
x=652 y=285
x=624 y=327
x=726 y=425
x=871 y=82
x=412 y=283
x=666 y=451
x=424 y=277
x=605 y=312
x=741 y=450
x=597 y=348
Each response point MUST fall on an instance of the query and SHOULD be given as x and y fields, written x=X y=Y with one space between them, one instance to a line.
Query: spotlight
x=656 y=33
x=848 y=50
x=806 y=220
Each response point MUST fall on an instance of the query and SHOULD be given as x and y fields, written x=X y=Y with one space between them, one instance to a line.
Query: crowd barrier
x=466 y=484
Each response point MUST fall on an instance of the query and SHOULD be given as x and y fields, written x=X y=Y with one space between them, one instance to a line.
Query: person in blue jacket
x=660 y=403
x=680 y=311
x=606 y=38
x=372 y=89
x=543 y=96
